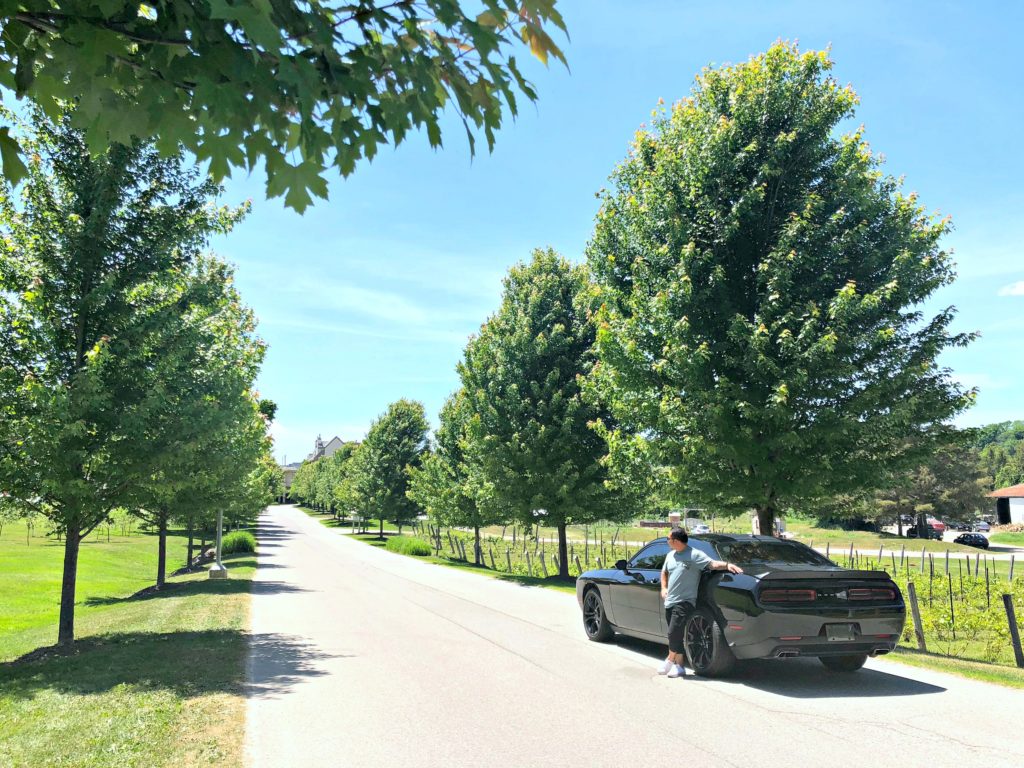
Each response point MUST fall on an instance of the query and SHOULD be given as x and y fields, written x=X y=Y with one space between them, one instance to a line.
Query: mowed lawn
x=154 y=680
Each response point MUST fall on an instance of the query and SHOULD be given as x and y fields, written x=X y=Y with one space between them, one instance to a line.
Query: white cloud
x=1013 y=289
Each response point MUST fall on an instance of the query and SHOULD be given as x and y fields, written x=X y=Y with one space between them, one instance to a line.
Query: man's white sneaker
x=677 y=671
x=664 y=667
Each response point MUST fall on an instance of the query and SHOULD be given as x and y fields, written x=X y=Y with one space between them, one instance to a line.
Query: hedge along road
x=405 y=663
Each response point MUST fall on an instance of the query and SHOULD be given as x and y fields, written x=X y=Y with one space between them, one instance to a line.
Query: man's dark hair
x=679 y=534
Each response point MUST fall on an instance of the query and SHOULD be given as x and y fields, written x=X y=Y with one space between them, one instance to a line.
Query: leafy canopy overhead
x=763 y=283
x=302 y=85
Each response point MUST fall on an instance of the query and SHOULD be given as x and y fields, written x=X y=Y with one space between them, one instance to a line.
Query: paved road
x=363 y=658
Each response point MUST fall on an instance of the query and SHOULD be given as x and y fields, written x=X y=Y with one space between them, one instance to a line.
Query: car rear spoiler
x=823 y=574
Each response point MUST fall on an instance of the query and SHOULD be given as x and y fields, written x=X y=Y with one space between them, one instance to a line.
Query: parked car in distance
x=932 y=533
x=700 y=529
x=972 y=540
x=982 y=526
x=789 y=601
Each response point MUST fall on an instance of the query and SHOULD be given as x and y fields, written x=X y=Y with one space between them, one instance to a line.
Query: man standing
x=680 y=580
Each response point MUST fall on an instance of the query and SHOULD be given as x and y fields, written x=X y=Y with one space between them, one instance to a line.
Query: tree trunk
x=766 y=520
x=382 y=529
x=66 y=626
x=476 y=545
x=190 y=537
x=563 y=552
x=161 y=556
x=899 y=522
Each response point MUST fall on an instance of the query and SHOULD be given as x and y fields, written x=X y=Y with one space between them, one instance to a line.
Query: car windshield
x=770 y=553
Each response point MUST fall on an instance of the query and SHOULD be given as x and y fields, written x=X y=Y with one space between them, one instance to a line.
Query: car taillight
x=874 y=593
x=788 y=595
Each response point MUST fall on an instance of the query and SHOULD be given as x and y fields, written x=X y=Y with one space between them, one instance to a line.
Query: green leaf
x=10 y=154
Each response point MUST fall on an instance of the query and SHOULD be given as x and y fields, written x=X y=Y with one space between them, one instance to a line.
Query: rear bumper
x=774 y=635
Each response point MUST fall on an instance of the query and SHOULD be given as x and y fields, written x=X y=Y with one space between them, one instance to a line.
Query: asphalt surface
x=364 y=658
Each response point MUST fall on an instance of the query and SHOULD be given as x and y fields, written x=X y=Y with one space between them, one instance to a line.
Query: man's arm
x=722 y=565
x=664 y=581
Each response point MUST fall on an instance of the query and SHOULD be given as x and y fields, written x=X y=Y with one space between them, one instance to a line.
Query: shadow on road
x=277 y=663
x=803 y=678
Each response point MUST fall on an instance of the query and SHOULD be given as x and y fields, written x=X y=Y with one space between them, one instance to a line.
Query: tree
x=394 y=444
x=206 y=382
x=531 y=425
x=1001 y=453
x=948 y=485
x=762 y=282
x=90 y=271
x=240 y=82
x=446 y=486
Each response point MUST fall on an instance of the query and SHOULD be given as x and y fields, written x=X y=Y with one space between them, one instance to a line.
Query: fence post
x=922 y=561
x=1011 y=568
x=508 y=559
x=1011 y=617
x=827 y=545
x=600 y=565
x=903 y=552
x=916 y=613
x=493 y=566
x=952 y=613
x=578 y=566
x=947 y=562
x=529 y=565
x=557 y=562
x=543 y=565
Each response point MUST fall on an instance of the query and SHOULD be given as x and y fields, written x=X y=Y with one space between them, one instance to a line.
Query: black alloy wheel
x=595 y=621
x=850 y=663
x=705 y=645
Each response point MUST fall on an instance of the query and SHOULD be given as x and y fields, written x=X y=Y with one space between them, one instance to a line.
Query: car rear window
x=770 y=553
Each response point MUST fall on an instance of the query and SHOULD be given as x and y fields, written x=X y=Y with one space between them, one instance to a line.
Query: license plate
x=840 y=632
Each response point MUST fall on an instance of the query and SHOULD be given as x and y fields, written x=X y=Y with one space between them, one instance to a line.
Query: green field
x=154 y=680
x=1010 y=539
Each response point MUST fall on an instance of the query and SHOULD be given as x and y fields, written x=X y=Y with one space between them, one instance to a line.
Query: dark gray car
x=789 y=601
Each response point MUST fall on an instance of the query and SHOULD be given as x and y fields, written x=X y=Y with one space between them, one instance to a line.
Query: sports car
x=789 y=601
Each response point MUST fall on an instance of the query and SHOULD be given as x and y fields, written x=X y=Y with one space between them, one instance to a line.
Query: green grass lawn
x=1010 y=539
x=975 y=670
x=482 y=570
x=153 y=680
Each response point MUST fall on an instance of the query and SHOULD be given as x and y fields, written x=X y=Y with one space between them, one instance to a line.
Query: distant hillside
x=1001 y=448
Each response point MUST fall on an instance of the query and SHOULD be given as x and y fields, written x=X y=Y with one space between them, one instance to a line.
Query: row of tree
x=746 y=333
x=127 y=359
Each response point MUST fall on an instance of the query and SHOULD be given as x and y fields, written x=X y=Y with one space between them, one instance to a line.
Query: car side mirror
x=621 y=565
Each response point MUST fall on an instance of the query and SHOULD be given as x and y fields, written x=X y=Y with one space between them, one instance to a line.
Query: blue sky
x=370 y=297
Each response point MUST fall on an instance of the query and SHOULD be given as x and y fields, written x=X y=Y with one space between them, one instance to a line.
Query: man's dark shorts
x=676 y=616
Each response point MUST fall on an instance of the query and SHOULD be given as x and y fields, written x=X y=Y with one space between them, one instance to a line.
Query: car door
x=636 y=601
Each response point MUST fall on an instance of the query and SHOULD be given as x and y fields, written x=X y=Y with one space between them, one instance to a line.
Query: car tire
x=706 y=649
x=850 y=663
x=595 y=620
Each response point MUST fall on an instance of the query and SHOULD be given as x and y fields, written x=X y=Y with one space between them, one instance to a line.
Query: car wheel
x=595 y=620
x=844 y=663
x=705 y=645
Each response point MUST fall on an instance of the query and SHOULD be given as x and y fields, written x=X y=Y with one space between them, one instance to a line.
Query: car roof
x=716 y=538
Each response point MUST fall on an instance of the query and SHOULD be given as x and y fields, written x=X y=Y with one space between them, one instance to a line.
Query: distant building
x=320 y=450
x=1009 y=504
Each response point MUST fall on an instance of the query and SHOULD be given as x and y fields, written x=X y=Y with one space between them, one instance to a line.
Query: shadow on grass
x=227 y=586
x=187 y=663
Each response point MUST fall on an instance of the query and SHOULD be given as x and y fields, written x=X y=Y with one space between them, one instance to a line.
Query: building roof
x=1011 y=492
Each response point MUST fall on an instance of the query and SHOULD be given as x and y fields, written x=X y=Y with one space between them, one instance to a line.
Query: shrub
x=238 y=541
x=407 y=545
